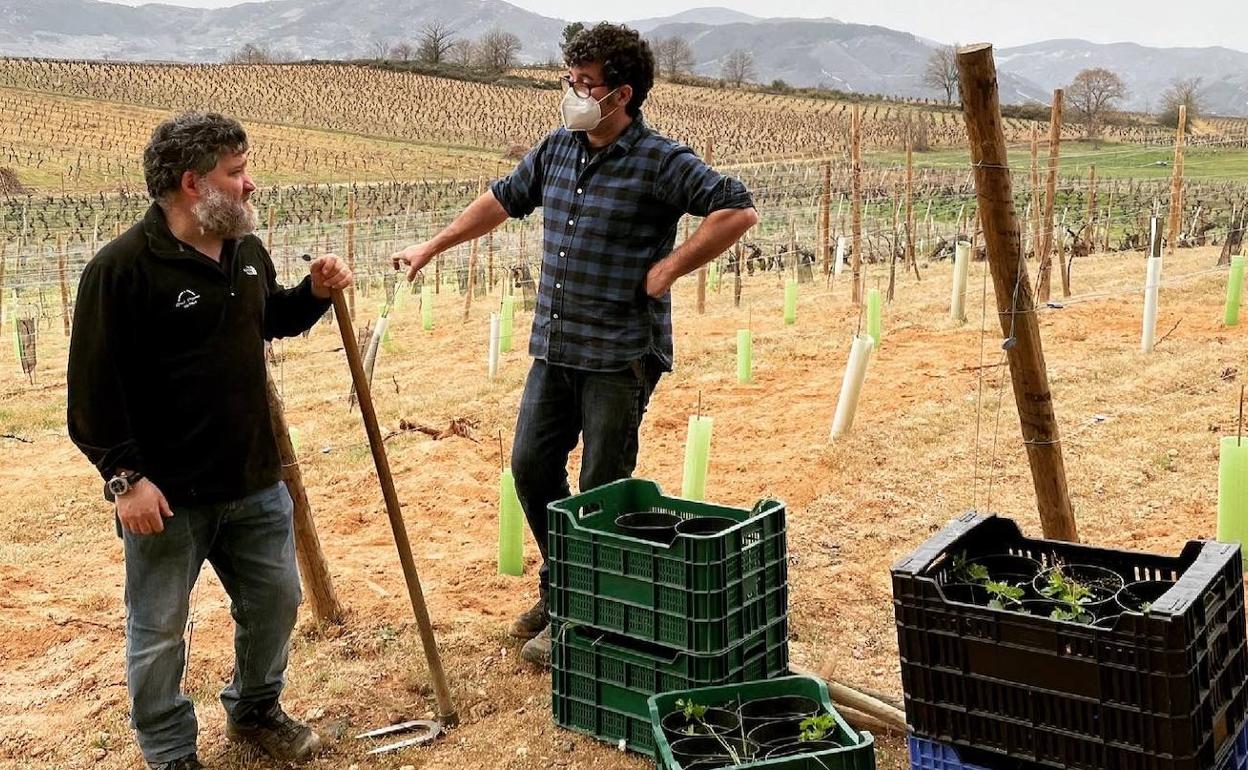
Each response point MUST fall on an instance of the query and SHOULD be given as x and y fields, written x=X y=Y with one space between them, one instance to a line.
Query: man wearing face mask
x=611 y=191
x=167 y=399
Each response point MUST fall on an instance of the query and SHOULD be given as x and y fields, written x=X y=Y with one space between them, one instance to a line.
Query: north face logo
x=249 y=270
x=187 y=299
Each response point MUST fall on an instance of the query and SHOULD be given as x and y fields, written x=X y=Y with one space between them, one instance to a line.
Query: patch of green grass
x=1111 y=160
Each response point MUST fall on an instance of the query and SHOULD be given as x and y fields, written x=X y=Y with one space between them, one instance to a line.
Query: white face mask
x=583 y=114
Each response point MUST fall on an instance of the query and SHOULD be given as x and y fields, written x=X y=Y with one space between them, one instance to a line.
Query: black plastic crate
x=602 y=682
x=1162 y=690
x=698 y=594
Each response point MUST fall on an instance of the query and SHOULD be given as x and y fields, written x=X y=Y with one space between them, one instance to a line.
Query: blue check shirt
x=607 y=218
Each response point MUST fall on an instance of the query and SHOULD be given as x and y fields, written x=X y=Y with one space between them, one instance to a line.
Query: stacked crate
x=992 y=689
x=631 y=618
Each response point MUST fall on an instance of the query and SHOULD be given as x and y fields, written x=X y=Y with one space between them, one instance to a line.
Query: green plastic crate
x=602 y=682
x=699 y=594
x=858 y=748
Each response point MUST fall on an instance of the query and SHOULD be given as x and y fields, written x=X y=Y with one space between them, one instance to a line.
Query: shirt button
x=579 y=191
x=554 y=315
x=563 y=253
x=558 y=286
x=571 y=221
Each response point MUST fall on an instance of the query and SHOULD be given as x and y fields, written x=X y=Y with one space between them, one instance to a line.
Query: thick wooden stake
x=318 y=587
x=1176 y=181
x=981 y=105
x=736 y=281
x=472 y=264
x=856 y=202
x=61 y=260
x=1090 y=235
x=1050 y=198
x=446 y=708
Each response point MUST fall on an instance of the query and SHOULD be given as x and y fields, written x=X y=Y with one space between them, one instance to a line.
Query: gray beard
x=223 y=218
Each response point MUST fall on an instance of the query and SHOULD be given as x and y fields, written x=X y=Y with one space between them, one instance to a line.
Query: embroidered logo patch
x=187 y=299
x=249 y=269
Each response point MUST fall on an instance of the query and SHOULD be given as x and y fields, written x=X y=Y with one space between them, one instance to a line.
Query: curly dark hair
x=625 y=57
x=192 y=141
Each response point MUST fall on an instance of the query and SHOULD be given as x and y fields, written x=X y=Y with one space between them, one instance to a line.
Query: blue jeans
x=250 y=544
x=561 y=404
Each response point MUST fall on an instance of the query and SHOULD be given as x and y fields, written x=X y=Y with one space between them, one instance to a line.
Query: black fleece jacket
x=166 y=361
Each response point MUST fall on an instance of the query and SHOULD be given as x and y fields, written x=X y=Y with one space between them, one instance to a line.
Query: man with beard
x=167 y=398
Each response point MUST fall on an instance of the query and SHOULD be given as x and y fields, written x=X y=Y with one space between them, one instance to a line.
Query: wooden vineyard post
x=268 y=241
x=1176 y=181
x=61 y=260
x=3 y=248
x=489 y=261
x=1035 y=191
x=473 y=251
x=710 y=159
x=313 y=570
x=825 y=220
x=911 y=261
x=1050 y=198
x=351 y=249
x=856 y=201
x=736 y=279
x=982 y=107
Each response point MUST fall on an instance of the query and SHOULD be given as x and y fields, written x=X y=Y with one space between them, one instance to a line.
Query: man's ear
x=189 y=184
x=624 y=95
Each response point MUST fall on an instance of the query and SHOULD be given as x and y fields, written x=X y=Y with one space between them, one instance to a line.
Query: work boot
x=189 y=762
x=537 y=649
x=280 y=736
x=531 y=623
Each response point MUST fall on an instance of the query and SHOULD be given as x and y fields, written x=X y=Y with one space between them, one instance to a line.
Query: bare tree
x=674 y=56
x=1186 y=92
x=497 y=50
x=402 y=51
x=572 y=30
x=738 y=67
x=381 y=49
x=941 y=71
x=251 y=53
x=1092 y=95
x=436 y=40
x=461 y=52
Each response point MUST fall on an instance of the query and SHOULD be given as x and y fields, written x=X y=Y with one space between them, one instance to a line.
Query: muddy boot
x=189 y=762
x=531 y=623
x=537 y=649
x=277 y=734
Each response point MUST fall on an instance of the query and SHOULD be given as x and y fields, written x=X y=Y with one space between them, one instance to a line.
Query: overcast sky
x=1002 y=22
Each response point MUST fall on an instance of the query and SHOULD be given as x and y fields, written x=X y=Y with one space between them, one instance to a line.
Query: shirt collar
x=624 y=142
x=162 y=241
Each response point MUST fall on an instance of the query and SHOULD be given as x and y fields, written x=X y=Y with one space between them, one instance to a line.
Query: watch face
x=118 y=485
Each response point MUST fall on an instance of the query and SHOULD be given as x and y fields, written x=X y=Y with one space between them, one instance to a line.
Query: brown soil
x=1139 y=438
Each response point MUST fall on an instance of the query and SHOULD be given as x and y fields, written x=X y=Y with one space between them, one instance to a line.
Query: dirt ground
x=936 y=434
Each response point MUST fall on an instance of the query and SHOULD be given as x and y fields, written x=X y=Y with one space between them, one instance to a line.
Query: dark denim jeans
x=250 y=544
x=561 y=404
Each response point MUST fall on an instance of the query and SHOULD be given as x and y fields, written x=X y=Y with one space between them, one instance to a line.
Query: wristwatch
x=122 y=483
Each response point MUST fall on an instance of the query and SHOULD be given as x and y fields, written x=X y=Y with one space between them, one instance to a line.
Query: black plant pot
x=966 y=593
x=705 y=525
x=770 y=735
x=715 y=721
x=781 y=707
x=701 y=748
x=649 y=525
x=1138 y=596
x=802 y=747
x=1008 y=568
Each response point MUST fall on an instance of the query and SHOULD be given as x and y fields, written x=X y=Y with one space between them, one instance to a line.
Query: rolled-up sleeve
x=520 y=192
x=686 y=182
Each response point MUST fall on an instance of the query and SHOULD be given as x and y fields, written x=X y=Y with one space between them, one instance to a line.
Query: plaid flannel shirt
x=607 y=217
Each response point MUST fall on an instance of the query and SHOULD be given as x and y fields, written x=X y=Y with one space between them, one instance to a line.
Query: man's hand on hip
x=329 y=273
x=143 y=509
x=414 y=257
x=659 y=279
